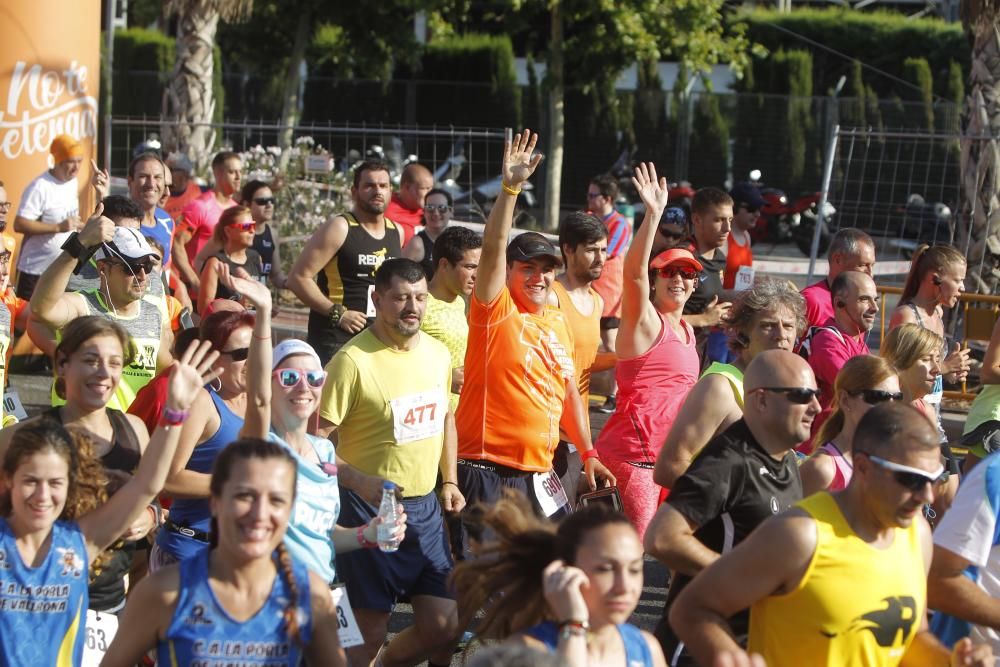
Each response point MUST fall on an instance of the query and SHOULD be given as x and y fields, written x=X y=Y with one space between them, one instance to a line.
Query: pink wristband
x=173 y=417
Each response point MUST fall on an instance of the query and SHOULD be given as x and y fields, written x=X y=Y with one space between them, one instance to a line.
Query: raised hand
x=563 y=587
x=519 y=158
x=100 y=180
x=255 y=293
x=190 y=373
x=98 y=229
x=652 y=191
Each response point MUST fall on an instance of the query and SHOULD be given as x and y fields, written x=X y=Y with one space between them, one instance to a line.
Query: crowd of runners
x=201 y=493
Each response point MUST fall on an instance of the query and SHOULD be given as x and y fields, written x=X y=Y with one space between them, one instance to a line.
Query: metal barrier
x=976 y=324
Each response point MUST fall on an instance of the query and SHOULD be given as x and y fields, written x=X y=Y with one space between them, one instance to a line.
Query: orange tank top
x=736 y=256
x=586 y=330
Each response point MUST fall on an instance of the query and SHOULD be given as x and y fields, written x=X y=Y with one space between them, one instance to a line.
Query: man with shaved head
x=406 y=208
x=743 y=476
x=841 y=578
x=855 y=305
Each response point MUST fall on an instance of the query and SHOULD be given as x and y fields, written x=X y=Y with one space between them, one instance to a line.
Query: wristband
x=363 y=541
x=336 y=312
x=573 y=628
x=509 y=190
x=452 y=483
x=157 y=514
x=73 y=247
x=173 y=417
x=587 y=454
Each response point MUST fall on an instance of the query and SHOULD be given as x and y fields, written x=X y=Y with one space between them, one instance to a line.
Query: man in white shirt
x=49 y=212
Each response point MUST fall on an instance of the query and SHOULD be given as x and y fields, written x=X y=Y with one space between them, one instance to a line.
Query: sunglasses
x=291 y=377
x=134 y=269
x=264 y=201
x=239 y=354
x=876 y=396
x=438 y=208
x=244 y=226
x=797 y=395
x=671 y=271
x=912 y=479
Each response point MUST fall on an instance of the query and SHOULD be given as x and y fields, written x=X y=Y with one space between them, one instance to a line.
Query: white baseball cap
x=126 y=245
x=287 y=348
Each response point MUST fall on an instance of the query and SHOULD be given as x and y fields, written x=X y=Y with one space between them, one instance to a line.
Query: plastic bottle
x=387 y=511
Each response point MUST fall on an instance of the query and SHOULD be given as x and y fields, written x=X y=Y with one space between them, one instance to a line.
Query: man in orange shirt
x=519 y=373
x=183 y=190
x=583 y=240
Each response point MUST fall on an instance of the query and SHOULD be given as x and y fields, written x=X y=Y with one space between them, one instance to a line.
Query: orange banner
x=49 y=85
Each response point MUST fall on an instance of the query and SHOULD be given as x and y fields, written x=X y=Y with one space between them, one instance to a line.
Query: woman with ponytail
x=863 y=382
x=935 y=282
x=54 y=521
x=568 y=589
x=245 y=598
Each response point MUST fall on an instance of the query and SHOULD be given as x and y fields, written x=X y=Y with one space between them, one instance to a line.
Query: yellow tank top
x=856 y=605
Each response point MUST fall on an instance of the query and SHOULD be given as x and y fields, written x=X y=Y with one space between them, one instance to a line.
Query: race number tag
x=371 y=304
x=101 y=629
x=744 y=279
x=347 y=628
x=550 y=492
x=12 y=405
x=418 y=416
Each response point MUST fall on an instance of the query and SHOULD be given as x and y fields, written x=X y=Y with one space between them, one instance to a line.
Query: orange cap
x=676 y=256
x=65 y=147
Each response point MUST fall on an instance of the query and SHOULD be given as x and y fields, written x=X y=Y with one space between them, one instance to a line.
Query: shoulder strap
x=351 y=220
x=124 y=433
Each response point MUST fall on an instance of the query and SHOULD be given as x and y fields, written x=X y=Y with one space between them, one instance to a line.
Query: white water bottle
x=387 y=542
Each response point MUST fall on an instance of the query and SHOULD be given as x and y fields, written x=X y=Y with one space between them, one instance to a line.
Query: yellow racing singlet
x=856 y=605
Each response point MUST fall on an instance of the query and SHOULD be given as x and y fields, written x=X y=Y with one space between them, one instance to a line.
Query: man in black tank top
x=343 y=255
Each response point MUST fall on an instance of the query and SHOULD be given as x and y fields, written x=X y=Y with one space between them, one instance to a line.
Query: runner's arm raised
x=518 y=164
x=183 y=483
x=641 y=324
x=709 y=409
x=257 y=420
x=319 y=251
x=772 y=560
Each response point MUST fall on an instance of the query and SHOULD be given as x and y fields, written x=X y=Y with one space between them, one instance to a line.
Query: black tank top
x=349 y=278
x=107 y=589
x=252 y=266
x=263 y=244
x=427 y=263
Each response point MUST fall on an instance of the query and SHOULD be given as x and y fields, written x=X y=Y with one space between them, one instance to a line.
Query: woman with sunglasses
x=657 y=360
x=863 y=381
x=284 y=392
x=437 y=215
x=53 y=523
x=215 y=420
x=235 y=234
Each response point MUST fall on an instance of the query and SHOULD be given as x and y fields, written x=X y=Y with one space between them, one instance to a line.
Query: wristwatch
x=336 y=312
x=73 y=247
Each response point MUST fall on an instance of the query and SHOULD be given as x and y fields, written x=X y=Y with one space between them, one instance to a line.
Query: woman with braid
x=245 y=598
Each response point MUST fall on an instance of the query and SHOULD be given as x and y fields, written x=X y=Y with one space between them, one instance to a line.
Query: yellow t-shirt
x=448 y=324
x=856 y=605
x=389 y=407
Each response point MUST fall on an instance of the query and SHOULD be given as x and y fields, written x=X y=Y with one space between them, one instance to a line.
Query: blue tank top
x=317 y=506
x=637 y=652
x=194 y=513
x=43 y=610
x=201 y=632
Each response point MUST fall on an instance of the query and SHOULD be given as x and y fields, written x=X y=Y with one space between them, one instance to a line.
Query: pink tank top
x=842 y=468
x=651 y=389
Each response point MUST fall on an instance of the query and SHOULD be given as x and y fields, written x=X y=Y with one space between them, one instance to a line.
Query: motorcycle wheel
x=804 y=235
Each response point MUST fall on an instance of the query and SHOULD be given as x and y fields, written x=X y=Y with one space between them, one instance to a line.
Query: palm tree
x=981 y=157
x=189 y=101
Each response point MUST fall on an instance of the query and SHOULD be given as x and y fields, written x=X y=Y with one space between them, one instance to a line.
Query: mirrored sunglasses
x=684 y=272
x=244 y=226
x=291 y=377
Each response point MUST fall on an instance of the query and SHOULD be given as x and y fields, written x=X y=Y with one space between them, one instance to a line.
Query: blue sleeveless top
x=194 y=513
x=317 y=506
x=202 y=632
x=637 y=652
x=43 y=610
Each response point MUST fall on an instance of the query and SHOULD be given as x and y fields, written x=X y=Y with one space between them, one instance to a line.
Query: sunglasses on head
x=291 y=377
x=876 y=396
x=135 y=267
x=912 y=479
x=239 y=354
x=244 y=226
x=683 y=272
x=798 y=395
x=264 y=201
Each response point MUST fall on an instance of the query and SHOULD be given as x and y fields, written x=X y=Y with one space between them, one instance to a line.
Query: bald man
x=406 y=208
x=855 y=305
x=841 y=578
x=743 y=476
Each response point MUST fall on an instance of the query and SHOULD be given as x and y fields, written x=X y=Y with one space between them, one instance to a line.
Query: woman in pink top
x=863 y=381
x=657 y=360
